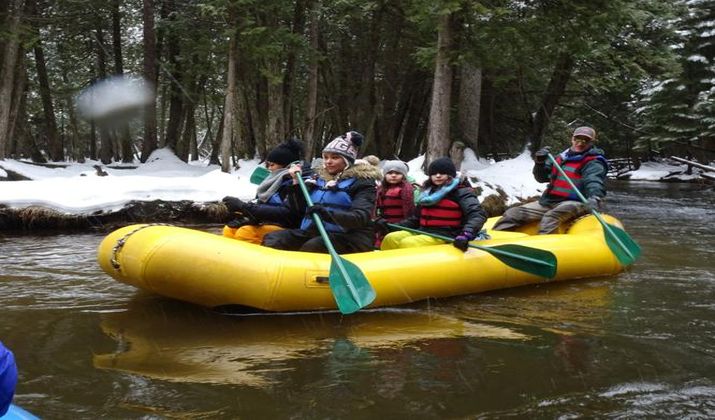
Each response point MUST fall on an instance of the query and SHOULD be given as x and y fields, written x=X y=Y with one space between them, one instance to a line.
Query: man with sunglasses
x=585 y=165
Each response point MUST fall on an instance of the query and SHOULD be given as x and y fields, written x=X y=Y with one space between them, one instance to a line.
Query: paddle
x=529 y=260
x=259 y=174
x=350 y=288
x=621 y=244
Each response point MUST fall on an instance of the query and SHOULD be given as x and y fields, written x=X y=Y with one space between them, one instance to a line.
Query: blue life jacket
x=335 y=199
x=276 y=199
x=8 y=378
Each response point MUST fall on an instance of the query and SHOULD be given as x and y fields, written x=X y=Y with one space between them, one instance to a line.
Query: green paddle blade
x=259 y=174
x=529 y=260
x=350 y=288
x=621 y=244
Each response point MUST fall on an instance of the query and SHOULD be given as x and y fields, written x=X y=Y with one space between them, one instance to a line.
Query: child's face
x=394 y=177
x=334 y=163
x=438 y=179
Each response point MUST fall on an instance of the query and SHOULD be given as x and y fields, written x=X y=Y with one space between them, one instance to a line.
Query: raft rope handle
x=123 y=240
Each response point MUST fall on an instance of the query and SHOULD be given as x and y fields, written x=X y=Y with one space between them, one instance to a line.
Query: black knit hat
x=443 y=166
x=286 y=152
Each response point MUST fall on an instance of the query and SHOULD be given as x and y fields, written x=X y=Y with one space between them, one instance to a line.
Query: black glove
x=234 y=204
x=381 y=226
x=593 y=203
x=321 y=211
x=462 y=241
x=237 y=223
x=541 y=154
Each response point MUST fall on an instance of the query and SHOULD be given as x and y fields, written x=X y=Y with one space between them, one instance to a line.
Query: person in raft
x=395 y=195
x=268 y=212
x=343 y=195
x=447 y=206
x=8 y=378
x=584 y=164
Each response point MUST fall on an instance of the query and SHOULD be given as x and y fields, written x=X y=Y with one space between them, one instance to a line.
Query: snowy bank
x=79 y=189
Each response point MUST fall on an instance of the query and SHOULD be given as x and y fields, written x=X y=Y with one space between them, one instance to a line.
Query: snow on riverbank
x=79 y=189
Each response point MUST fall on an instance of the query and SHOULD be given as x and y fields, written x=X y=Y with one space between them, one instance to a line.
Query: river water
x=640 y=344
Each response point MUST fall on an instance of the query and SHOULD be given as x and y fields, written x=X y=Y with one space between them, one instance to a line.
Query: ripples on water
x=636 y=345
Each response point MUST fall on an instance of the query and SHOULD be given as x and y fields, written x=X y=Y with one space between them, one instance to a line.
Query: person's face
x=272 y=166
x=580 y=143
x=438 y=179
x=394 y=177
x=334 y=163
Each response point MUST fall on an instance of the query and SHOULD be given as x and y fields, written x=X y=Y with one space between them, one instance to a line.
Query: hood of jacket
x=359 y=171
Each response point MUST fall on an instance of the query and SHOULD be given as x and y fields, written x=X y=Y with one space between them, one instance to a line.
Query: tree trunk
x=149 y=144
x=176 y=95
x=231 y=131
x=17 y=101
x=290 y=73
x=557 y=86
x=54 y=144
x=470 y=95
x=438 y=139
x=125 y=138
x=11 y=56
x=106 y=149
x=311 y=108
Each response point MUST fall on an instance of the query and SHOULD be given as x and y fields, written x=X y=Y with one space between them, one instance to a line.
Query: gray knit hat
x=346 y=146
x=395 y=166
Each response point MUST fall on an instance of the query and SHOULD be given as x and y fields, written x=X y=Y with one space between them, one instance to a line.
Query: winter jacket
x=354 y=220
x=592 y=173
x=472 y=214
x=395 y=207
x=276 y=211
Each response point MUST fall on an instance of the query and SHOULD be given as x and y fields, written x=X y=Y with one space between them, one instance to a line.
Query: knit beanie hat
x=287 y=152
x=395 y=166
x=443 y=166
x=346 y=146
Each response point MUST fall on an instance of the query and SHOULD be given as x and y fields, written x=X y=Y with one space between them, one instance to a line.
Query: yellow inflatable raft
x=214 y=271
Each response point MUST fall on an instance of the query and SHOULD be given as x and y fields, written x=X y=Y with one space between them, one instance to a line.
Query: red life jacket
x=559 y=187
x=390 y=206
x=445 y=212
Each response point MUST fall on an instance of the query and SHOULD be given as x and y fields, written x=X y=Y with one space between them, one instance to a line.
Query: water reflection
x=177 y=342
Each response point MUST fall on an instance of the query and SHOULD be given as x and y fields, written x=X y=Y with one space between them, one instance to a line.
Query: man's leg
x=563 y=211
x=521 y=215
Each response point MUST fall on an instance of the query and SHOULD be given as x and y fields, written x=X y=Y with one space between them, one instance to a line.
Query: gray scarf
x=270 y=185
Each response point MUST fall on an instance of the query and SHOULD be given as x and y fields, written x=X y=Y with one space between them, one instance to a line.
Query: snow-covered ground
x=77 y=189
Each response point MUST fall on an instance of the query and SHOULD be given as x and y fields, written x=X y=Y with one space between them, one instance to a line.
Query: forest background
x=234 y=78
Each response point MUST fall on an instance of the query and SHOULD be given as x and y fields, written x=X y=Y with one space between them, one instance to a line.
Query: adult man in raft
x=584 y=164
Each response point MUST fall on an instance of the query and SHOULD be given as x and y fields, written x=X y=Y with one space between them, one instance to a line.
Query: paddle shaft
x=324 y=234
x=605 y=225
x=471 y=245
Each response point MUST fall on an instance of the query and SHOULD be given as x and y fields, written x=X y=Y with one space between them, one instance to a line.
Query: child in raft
x=447 y=206
x=395 y=195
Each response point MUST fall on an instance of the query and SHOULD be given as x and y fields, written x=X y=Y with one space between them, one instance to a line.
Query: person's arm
x=542 y=171
x=472 y=210
x=593 y=177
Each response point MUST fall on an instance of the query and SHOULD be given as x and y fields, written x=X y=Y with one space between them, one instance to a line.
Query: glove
x=593 y=203
x=237 y=223
x=321 y=211
x=462 y=241
x=234 y=204
x=541 y=154
x=381 y=226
